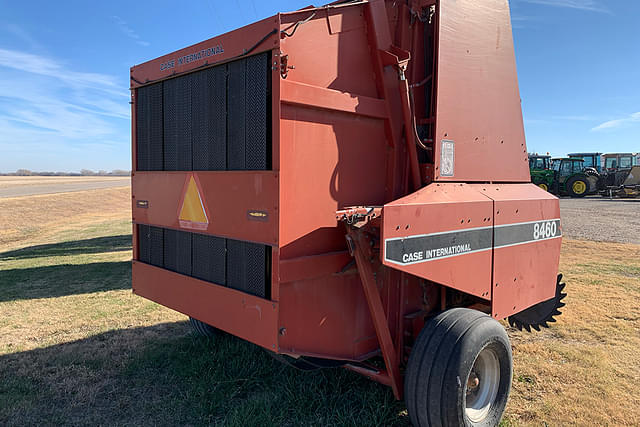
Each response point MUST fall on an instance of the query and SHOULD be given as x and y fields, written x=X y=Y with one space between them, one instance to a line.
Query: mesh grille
x=236 y=118
x=246 y=263
x=149 y=134
x=177 y=124
x=177 y=251
x=214 y=119
x=209 y=113
x=256 y=98
x=209 y=255
x=239 y=265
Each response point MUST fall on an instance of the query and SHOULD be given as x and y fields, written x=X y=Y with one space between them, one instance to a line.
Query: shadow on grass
x=63 y=279
x=164 y=375
x=77 y=247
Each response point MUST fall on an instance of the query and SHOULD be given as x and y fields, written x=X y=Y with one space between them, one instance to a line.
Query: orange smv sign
x=192 y=213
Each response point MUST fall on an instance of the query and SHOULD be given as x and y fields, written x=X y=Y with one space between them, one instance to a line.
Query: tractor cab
x=591 y=160
x=537 y=162
x=616 y=161
x=570 y=178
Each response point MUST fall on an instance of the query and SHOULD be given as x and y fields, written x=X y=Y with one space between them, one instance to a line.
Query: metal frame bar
x=359 y=243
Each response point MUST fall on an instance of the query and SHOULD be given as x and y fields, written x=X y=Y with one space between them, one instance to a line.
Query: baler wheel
x=203 y=329
x=459 y=371
x=542 y=313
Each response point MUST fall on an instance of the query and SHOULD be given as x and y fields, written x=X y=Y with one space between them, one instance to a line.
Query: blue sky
x=64 y=72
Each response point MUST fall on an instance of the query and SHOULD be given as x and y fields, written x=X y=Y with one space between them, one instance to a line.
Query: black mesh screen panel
x=177 y=251
x=243 y=266
x=156 y=246
x=209 y=114
x=256 y=99
x=144 y=245
x=177 y=124
x=236 y=115
x=209 y=258
x=246 y=267
x=214 y=119
x=149 y=128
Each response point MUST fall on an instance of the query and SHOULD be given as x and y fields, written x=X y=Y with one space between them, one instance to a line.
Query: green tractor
x=541 y=173
x=567 y=177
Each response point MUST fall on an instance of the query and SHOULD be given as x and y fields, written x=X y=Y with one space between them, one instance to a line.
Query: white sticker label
x=447 y=158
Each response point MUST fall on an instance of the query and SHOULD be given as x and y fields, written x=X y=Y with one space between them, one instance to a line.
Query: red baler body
x=337 y=131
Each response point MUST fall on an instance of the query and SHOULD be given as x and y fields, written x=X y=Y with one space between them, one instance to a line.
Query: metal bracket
x=360 y=241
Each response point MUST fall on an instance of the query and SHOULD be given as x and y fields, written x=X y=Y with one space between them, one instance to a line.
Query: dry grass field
x=76 y=347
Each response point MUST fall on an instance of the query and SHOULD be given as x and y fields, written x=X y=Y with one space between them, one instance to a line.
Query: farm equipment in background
x=624 y=183
x=566 y=177
x=615 y=161
x=540 y=170
x=348 y=185
x=571 y=178
x=591 y=160
x=538 y=162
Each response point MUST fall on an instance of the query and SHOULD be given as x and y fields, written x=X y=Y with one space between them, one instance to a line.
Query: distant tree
x=24 y=172
x=87 y=172
x=120 y=172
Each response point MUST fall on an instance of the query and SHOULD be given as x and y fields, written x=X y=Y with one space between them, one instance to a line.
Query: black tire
x=440 y=365
x=203 y=329
x=575 y=180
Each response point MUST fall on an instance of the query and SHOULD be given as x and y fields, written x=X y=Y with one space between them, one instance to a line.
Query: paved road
x=62 y=187
x=601 y=219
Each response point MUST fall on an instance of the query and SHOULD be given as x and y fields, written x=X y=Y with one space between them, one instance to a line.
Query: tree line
x=83 y=172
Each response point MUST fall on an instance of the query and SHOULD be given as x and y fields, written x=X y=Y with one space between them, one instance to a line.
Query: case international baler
x=348 y=185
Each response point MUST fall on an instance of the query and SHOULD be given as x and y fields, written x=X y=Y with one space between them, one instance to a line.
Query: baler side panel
x=526 y=255
x=326 y=317
x=478 y=100
x=418 y=228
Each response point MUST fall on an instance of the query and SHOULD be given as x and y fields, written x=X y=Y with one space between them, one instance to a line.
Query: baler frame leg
x=358 y=245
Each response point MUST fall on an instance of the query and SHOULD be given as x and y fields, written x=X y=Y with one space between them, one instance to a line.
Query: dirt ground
x=601 y=219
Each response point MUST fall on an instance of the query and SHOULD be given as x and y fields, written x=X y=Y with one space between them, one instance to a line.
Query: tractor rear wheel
x=578 y=186
x=203 y=329
x=459 y=371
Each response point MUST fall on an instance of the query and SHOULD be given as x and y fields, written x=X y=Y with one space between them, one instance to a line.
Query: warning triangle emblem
x=192 y=213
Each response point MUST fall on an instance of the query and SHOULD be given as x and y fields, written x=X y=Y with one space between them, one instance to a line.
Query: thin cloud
x=44 y=66
x=52 y=110
x=23 y=35
x=613 y=124
x=575 y=118
x=129 y=32
x=588 y=5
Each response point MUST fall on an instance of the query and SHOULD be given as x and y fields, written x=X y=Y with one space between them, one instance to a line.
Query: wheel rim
x=482 y=385
x=544 y=187
x=579 y=187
